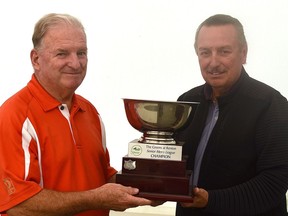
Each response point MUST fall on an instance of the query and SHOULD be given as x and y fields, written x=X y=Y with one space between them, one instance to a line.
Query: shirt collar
x=46 y=101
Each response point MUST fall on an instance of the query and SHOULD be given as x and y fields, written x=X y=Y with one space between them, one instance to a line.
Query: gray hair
x=50 y=20
x=222 y=19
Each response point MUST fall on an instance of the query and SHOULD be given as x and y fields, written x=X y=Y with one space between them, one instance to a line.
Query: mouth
x=72 y=73
x=216 y=73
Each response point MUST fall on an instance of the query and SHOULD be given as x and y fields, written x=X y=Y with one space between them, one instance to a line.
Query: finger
x=132 y=191
x=186 y=205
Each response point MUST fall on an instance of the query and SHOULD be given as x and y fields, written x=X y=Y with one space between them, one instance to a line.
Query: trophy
x=154 y=162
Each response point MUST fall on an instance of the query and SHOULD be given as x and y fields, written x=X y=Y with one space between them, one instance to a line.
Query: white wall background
x=142 y=49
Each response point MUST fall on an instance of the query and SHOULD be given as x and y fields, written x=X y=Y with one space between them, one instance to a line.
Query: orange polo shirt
x=43 y=145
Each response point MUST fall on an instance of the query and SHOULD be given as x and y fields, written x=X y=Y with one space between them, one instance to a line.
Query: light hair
x=49 y=21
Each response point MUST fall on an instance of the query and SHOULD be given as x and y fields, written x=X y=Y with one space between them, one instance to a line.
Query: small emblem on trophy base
x=129 y=164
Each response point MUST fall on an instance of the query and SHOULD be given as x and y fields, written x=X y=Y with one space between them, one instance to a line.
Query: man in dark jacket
x=237 y=142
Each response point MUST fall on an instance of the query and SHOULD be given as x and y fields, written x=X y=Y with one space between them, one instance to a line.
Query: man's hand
x=119 y=198
x=200 y=199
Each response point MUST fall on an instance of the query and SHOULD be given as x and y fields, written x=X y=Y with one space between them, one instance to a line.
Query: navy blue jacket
x=245 y=164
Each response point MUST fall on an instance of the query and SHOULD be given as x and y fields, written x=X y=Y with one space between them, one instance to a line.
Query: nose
x=74 y=61
x=214 y=59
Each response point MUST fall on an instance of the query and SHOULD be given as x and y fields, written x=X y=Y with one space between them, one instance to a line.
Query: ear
x=244 y=52
x=34 y=57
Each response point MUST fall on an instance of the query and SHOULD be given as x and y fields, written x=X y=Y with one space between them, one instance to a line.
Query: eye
x=204 y=53
x=60 y=54
x=82 y=53
x=224 y=52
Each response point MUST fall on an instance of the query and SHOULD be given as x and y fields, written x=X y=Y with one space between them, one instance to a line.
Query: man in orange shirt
x=53 y=158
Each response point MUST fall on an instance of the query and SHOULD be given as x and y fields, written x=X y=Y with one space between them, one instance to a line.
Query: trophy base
x=154 y=167
x=166 y=197
x=163 y=188
x=157 y=179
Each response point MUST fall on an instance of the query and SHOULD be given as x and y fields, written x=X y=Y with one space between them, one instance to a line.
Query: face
x=220 y=56
x=60 y=63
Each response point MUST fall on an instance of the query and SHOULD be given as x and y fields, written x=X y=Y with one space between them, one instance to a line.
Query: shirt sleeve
x=19 y=170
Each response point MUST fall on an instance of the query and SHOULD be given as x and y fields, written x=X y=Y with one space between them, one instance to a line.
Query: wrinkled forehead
x=217 y=35
x=64 y=34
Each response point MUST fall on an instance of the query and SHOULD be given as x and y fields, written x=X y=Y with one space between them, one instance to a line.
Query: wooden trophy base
x=164 y=180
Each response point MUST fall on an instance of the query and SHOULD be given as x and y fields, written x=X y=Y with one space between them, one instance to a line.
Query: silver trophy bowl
x=158 y=120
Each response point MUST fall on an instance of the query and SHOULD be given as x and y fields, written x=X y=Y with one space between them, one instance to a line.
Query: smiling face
x=220 y=56
x=60 y=63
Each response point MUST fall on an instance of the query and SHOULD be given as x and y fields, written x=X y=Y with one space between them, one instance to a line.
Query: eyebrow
x=221 y=47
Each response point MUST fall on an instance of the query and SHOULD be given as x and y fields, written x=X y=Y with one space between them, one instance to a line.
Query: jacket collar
x=231 y=92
